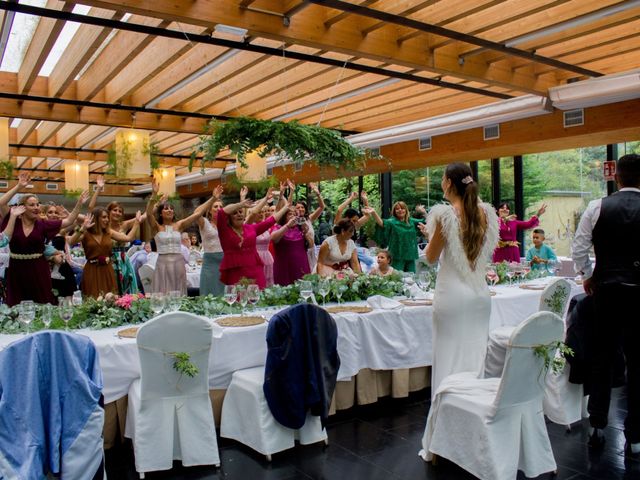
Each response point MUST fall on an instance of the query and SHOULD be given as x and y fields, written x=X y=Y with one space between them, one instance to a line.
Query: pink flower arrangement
x=125 y=301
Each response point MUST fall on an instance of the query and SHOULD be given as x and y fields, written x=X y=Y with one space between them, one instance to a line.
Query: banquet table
x=383 y=339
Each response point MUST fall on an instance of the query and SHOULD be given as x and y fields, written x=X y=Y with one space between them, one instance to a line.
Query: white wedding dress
x=461 y=304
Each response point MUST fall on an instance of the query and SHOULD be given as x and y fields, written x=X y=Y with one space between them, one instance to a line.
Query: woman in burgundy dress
x=291 y=241
x=28 y=276
x=238 y=240
x=507 y=249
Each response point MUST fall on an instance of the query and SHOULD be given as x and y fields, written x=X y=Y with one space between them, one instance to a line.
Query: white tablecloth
x=380 y=340
x=193 y=277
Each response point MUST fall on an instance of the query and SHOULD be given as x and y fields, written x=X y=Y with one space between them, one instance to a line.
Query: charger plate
x=130 y=332
x=349 y=309
x=238 y=321
x=416 y=303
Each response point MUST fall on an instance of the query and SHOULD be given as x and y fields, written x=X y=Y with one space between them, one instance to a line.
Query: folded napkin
x=378 y=301
x=418 y=294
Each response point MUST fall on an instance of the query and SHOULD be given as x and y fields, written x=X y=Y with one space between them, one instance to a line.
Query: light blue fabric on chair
x=50 y=417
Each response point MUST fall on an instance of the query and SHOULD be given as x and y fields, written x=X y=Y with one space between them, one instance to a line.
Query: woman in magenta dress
x=28 y=275
x=291 y=241
x=238 y=240
x=508 y=249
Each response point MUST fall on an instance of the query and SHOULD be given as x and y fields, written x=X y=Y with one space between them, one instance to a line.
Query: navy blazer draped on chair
x=302 y=364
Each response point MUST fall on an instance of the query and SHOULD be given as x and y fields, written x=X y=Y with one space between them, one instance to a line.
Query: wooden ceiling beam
x=83 y=45
x=40 y=46
x=403 y=9
x=340 y=38
x=25 y=129
x=46 y=131
x=68 y=133
x=115 y=57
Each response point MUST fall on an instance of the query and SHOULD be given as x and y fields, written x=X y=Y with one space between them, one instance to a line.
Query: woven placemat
x=532 y=287
x=240 y=321
x=130 y=332
x=349 y=309
x=416 y=303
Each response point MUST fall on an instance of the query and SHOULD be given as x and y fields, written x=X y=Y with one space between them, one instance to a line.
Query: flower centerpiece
x=285 y=140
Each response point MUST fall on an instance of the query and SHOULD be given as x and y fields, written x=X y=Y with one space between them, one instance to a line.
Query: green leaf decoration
x=6 y=169
x=183 y=365
x=291 y=140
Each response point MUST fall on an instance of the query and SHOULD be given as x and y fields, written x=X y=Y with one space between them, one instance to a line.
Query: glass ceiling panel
x=20 y=36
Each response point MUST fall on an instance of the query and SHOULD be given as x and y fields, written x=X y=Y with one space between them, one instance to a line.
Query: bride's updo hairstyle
x=473 y=222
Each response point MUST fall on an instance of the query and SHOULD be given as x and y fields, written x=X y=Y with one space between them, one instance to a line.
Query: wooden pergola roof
x=169 y=66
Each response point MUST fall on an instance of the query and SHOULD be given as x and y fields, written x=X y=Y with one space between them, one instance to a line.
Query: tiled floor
x=382 y=441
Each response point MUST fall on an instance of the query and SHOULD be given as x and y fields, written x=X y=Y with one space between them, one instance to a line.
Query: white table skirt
x=379 y=340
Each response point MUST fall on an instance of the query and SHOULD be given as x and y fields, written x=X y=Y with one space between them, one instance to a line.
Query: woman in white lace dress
x=338 y=252
x=462 y=236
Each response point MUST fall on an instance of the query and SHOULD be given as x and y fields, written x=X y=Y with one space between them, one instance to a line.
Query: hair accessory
x=467 y=180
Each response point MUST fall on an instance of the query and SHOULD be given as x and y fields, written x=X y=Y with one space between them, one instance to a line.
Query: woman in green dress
x=399 y=234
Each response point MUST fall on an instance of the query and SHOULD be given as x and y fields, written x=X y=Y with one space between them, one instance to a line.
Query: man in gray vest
x=612 y=226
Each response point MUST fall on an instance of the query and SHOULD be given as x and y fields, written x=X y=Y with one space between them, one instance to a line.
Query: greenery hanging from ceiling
x=119 y=161
x=6 y=169
x=287 y=141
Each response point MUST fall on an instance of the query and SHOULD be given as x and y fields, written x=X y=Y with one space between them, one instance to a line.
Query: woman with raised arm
x=210 y=283
x=302 y=211
x=97 y=237
x=399 y=234
x=338 y=252
x=351 y=213
x=22 y=183
x=238 y=241
x=28 y=276
x=170 y=273
x=508 y=247
x=291 y=241
x=259 y=212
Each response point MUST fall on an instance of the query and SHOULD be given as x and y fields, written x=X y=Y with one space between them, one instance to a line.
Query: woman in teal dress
x=125 y=274
x=399 y=234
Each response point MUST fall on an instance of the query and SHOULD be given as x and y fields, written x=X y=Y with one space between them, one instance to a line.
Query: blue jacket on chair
x=302 y=364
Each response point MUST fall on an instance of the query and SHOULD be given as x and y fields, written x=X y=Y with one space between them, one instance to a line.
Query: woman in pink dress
x=238 y=240
x=260 y=212
x=507 y=249
x=291 y=241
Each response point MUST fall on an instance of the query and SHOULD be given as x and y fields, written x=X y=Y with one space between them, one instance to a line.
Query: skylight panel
x=20 y=37
x=67 y=33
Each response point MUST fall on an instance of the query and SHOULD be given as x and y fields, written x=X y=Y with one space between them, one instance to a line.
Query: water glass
x=26 y=312
x=76 y=299
x=65 y=307
x=174 y=300
x=340 y=289
x=241 y=293
x=157 y=302
x=306 y=290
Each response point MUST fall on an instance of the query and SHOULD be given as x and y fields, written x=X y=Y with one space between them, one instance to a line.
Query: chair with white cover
x=145 y=272
x=493 y=427
x=262 y=407
x=554 y=298
x=170 y=415
x=51 y=417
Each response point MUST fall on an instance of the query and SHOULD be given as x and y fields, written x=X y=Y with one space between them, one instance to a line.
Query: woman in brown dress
x=99 y=277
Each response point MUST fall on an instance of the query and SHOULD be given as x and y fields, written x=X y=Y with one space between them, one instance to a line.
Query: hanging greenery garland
x=119 y=161
x=287 y=141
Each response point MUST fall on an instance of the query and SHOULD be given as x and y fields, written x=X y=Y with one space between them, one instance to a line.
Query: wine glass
x=306 y=290
x=241 y=293
x=526 y=268
x=323 y=290
x=340 y=289
x=408 y=281
x=253 y=295
x=424 y=281
x=510 y=273
x=230 y=295
x=157 y=302
x=26 y=312
x=492 y=275
x=65 y=307
x=192 y=261
x=45 y=315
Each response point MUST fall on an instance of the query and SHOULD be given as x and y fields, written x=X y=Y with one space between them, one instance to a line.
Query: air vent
x=52 y=187
x=298 y=167
x=492 y=132
x=374 y=152
x=573 y=118
x=4 y=184
x=269 y=171
x=424 y=143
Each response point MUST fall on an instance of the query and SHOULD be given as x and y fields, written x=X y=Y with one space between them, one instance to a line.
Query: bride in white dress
x=462 y=237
